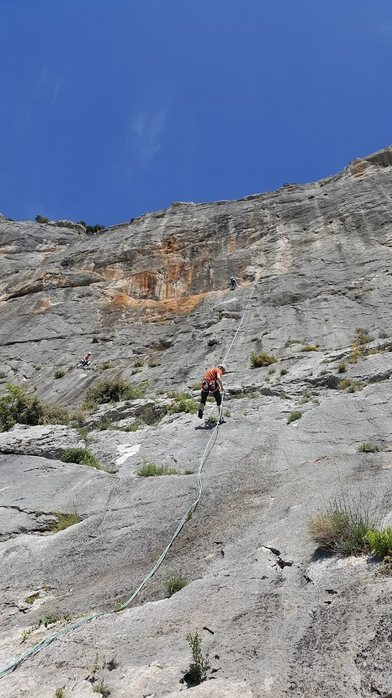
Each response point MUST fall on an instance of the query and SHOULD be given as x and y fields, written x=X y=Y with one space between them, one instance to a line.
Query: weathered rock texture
x=150 y=300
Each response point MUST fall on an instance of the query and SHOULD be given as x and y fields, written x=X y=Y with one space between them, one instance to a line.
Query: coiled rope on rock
x=209 y=446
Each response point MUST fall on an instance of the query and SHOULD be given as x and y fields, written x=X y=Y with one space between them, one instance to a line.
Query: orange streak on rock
x=153 y=310
x=111 y=274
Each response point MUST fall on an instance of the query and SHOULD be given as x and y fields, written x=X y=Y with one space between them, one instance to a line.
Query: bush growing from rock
x=50 y=619
x=16 y=407
x=200 y=665
x=349 y=385
x=360 y=345
x=294 y=416
x=53 y=414
x=81 y=456
x=112 y=391
x=263 y=359
x=92 y=228
x=340 y=531
x=182 y=403
x=380 y=541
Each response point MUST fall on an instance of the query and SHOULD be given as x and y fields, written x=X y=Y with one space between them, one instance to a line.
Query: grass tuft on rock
x=341 y=529
x=102 y=688
x=82 y=456
x=175 y=583
x=360 y=345
x=65 y=520
x=151 y=470
x=33 y=597
x=293 y=417
x=368 y=447
x=182 y=402
x=262 y=359
x=349 y=385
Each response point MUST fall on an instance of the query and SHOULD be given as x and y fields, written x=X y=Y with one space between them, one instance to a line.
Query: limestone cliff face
x=169 y=261
x=150 y=300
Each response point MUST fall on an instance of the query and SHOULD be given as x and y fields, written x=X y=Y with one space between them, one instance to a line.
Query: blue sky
x=112 y=108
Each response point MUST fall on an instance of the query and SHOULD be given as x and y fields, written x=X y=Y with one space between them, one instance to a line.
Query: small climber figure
x=233 y=282
x=212 y=383
x=85 y=361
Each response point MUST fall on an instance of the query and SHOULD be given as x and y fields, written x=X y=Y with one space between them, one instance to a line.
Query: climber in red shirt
x=212 y=383
x=85 y=361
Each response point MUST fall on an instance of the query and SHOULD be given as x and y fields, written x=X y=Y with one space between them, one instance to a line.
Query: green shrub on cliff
x=263 y=359
x=112 y=391
x=199 y=666
x=81 y=456
x=16 y=407
x=380 y=541
x=340 y=530
x=182 y=402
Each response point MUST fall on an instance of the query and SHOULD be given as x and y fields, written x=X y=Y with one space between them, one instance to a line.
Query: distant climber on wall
x=233 y=283
x=85 y=361
x=212 y=383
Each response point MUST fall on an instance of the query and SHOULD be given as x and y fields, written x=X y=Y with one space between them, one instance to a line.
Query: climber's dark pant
x=215 y=393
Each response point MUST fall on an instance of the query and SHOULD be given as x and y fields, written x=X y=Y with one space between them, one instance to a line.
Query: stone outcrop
x=79 y=227
x=150 y=300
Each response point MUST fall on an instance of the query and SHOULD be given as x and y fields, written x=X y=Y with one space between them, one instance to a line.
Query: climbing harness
x=209 y=446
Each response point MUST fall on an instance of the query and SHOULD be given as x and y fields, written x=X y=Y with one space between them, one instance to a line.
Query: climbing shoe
x=222 y=420
x=200 y=414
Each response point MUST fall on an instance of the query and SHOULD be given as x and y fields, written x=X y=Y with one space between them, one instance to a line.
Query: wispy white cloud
x=146 y=134
x=47 y=86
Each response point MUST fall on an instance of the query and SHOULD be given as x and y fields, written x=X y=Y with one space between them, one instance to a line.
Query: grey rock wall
x=150 y=300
